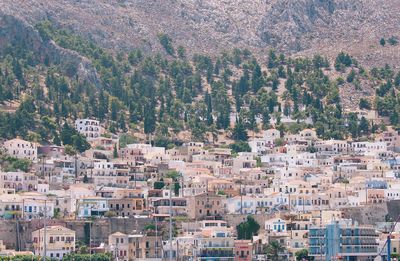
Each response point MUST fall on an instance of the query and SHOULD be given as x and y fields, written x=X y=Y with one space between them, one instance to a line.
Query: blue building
x=341 y=240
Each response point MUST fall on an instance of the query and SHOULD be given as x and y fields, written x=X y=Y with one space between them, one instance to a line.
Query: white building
x=241 y=204
x=35 y=205
x=91 y=129
x=21 y=149
x=92 y=206
x=275 y=225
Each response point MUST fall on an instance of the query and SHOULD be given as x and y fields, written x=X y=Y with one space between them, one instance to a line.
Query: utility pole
x=170 y=222
x=241 y=199
x=182 y=195
x=76 y=167
x=156 y=247
x=45 y=232
x=90 y=239
x=320 y=229
x=43 y=156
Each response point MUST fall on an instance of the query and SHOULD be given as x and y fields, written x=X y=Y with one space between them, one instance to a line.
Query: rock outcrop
x=14 y=31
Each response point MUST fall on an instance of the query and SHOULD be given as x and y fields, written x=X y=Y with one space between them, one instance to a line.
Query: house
x=51 y=151
x=243 y=250
x=276 y=225
x=241 y=205
x=19 y=181
x=91 y=129
x=206 y=205
x=59 y=241
x=127 y=247
x=10 y=206
x=21 y=149
x=127 y=206
x=92 y=206
x=215 y=241
x=36 y=207
x=118 y=245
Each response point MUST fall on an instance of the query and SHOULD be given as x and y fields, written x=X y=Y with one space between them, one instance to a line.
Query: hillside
x=51 y=75
x=291 y=26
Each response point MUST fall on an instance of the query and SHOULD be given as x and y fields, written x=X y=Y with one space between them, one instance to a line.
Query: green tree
x=174 y=175
x=364 y=125
x=247 y=229
x=159 y=184
x=115 y=151
x=166 y=42
x=303 y=255
x=382 y=42
x=69 y=150
x=273 y=250
x=239 y=132
x=272 y=59
x=240 y=146
x=79 y=142
x=126 y=139
x=397 y=80
x=149 y=119
x=351 y=76
x=257 y=78
x=87 y=257
x=343 y=60
x=393 y=40
x=364 y=104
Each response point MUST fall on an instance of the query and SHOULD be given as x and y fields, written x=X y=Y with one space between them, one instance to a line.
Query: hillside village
x=196 y=130
x=201 y=202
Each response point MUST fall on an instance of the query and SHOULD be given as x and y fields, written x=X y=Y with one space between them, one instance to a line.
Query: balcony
x=217 y=252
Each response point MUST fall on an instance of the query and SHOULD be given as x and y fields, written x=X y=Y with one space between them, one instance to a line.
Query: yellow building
x=59 y=241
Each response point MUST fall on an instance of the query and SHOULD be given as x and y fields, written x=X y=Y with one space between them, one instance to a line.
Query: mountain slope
x=210 y=26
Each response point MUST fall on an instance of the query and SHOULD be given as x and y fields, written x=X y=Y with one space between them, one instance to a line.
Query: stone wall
x=368 y=215
x=17 y=234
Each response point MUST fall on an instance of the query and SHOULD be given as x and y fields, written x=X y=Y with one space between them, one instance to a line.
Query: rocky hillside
x=306 y=26
x=14 y=31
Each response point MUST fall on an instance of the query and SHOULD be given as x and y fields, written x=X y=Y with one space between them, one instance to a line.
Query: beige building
x=59 y=241
x=206 y=205
x=127 y=206
x=21 y=149
x=134 y=247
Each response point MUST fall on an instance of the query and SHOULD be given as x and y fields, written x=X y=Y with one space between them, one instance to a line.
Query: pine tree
x=363 y=125
x=382 y=42
x=208 y=102
x=257 y=79
x=149 y=119
x=115 y=151
x=121 y=122
x=239 y=132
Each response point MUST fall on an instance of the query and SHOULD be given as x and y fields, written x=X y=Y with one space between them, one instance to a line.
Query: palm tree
x=273 y=249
